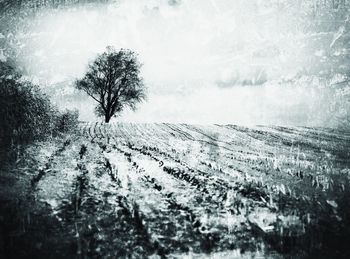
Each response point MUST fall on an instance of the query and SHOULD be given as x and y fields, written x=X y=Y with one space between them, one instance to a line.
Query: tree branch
x=91 y=95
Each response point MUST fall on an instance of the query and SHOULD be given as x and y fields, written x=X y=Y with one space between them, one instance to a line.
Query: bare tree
x=113 y=81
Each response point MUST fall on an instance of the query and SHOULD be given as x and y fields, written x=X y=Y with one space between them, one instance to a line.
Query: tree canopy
x=113 y=80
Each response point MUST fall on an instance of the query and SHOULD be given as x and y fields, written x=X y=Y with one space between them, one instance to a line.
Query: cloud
x=193 y=53
x=190 y=41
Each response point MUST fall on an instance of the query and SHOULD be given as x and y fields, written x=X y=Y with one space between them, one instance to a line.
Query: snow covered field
x=179 y=190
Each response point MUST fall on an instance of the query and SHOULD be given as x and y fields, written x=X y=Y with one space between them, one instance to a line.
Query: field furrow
x=175 y=190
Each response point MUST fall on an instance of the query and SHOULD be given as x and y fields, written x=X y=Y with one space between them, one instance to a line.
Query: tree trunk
x=107 y=118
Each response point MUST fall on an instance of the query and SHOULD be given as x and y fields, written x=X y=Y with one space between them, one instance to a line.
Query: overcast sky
x=204 y=61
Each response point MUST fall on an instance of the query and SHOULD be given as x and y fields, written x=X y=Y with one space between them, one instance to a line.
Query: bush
x=66 y=121
x=26 y=114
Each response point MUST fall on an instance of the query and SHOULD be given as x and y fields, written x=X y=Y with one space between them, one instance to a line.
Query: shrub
x=26 y=114
x=66 y=121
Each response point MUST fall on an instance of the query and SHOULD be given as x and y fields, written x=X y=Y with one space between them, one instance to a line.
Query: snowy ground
x=178 y=190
